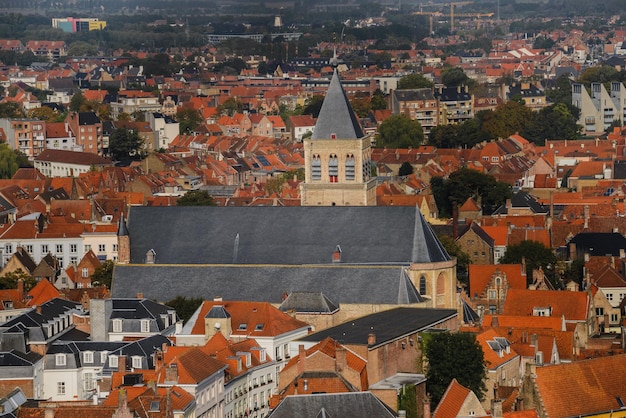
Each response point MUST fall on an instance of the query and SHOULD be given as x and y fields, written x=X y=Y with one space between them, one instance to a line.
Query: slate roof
x=387 y=326
x=308 y=302
x=263 y=283
x=599 y=243
x=283 y=235
x=414 y=94
x=338 y=405
x=336 y=115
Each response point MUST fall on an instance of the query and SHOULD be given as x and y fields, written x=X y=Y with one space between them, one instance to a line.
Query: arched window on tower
x=350 y=167
x=333 y=168
x=316 y=167
x=422 y=285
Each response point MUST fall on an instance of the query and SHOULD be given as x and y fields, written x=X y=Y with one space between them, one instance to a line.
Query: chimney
x=496 y=408
x=38 y=309
x=622 y=253
x=301 y=359
x=217 y=299
x=427 y=407
x=371 y=339
x=340 y=359
x=121 y=364
x=139 y=295
x=534 y=342
x=494 y=321
x=586 y=214
x=152 y=385
x=402 y=413
x=171 y=373
x=337 y=255
x=523 y=266
x=20 y=289
x=572 y=251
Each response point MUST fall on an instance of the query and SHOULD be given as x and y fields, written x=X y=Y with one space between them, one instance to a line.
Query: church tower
x=123 y=242
x=338 y=156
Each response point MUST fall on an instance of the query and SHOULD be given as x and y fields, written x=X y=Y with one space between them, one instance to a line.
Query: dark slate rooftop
x=386 y=326
x=599 y=243
x=282 y=235
x=337 y=405
x=263 y=283
x=308 y=302
x=336 y=115
x=414 y=94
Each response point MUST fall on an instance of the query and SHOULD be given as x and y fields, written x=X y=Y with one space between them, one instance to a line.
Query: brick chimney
x=301 y=359
x=340 y=359
x=496 y=408
x=427 y=407
x=371 y=339
x=121 y=364
x=171 y=373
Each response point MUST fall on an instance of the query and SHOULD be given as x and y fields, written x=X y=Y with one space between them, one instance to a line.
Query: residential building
x=61 y=163
x=459 y=401
x=134 y=101
x=417 y=104
x=359 y=404
x=599 y=109
x=456 y=105
x=87 y=129
x=25 y=135
x=48 y=50
x=164 y=127
x=337 y=156
x=299 y=126
x=59 y=136
x=533 y=97
x=501 y=361
x=271 y=328
x=476 y=243
x=122 y=319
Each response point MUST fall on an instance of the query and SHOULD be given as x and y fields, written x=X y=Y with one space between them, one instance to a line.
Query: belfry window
x=316 y=168
x=333 y=168
x=350 y=167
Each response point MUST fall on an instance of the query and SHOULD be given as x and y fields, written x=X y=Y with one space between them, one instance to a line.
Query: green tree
x=44 y=113
x=196 y=198
x=406 y=169
x=408 y=401
x=11 y=110
x=462 y=258
x=9 y=162
x=378 y=101
x=77 y=101
x=361 y=106
x=414 y=81
x=184 y=307
x=125 y=145
x=552 y=122
x=81 y=48
x=454 y=356
x=453 y=77
x=599 y=74
x=103 y=275
x=399 y=131
x=313 y=105
x=230 y=107
x=535 y=255
x=561 y=92
x=189 y=120
x=507 y=119
x=9 y=280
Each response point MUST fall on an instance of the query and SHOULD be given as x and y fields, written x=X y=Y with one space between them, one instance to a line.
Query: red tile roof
x=452 y=400
x=573 y=305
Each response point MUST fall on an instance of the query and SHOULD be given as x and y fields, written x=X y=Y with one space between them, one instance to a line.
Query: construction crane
x=430 y=16
x=476 y=15
x=458 y=3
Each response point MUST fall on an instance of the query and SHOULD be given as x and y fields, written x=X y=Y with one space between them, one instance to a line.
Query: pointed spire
x=426 y=246
x=337 y=119
x=122 y=229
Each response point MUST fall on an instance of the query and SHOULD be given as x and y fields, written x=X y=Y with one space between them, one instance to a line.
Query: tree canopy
x=103 y=275
x=125 y=145
x=414 y=81
x=184 y=307
x=465 y=183
x=9 y=280
x=536 y=255
x=196 y=198
x=454 y=77
x=462 y=258
x=10 y=161
x=399 y=131
x=189 y=120
x=454 y=356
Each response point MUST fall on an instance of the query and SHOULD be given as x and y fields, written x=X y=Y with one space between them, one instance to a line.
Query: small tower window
x=333 y=168
x=316 y=168
x=350 y=167
x=422 y=285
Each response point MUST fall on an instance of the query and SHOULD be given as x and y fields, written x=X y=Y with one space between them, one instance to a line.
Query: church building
x=338 y=156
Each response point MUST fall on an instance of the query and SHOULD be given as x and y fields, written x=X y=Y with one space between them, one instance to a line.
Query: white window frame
x=117 y=325
x=145 y=325
x=88 y=357
x=113 y=361
x=137 y=363
x=61 y=388
x=60 y=360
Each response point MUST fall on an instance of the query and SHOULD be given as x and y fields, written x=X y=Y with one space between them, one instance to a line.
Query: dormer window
x=117 y=325
x=259 y=327
x=113 y=361
x=242 y=327
x=137 y=362
x=59 y=359
x=88 y=357
x=145 y=325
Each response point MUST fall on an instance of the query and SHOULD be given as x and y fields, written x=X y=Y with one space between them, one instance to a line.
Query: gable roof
x=583 y=387
x=573 y=305
x=480 y=275
x=452 y=400
x=336 y=116
x=336 y=405
x=283 y=235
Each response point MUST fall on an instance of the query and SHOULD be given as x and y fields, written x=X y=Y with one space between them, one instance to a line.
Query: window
x=117 y=325
x=422 y=285
x=90 y=382
x=137 y=362
x=599 y=311
x=60 y=388
x=29 y=249
x=113 y=361
x=44 y=249
x=74 y=260
x=60 y=248
x=609 y=296
x=333 y=169
x=614 y=318
x=350 y=167
x=59 y=359
x=316 y=168
x=85 y=272
x=101 y=248
x=114 y=247
x=87 y=248
x=492 y=294
x=8 y=249
x=103 y=357
x=88 y=357
x=145 y=325
x=73 y=248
